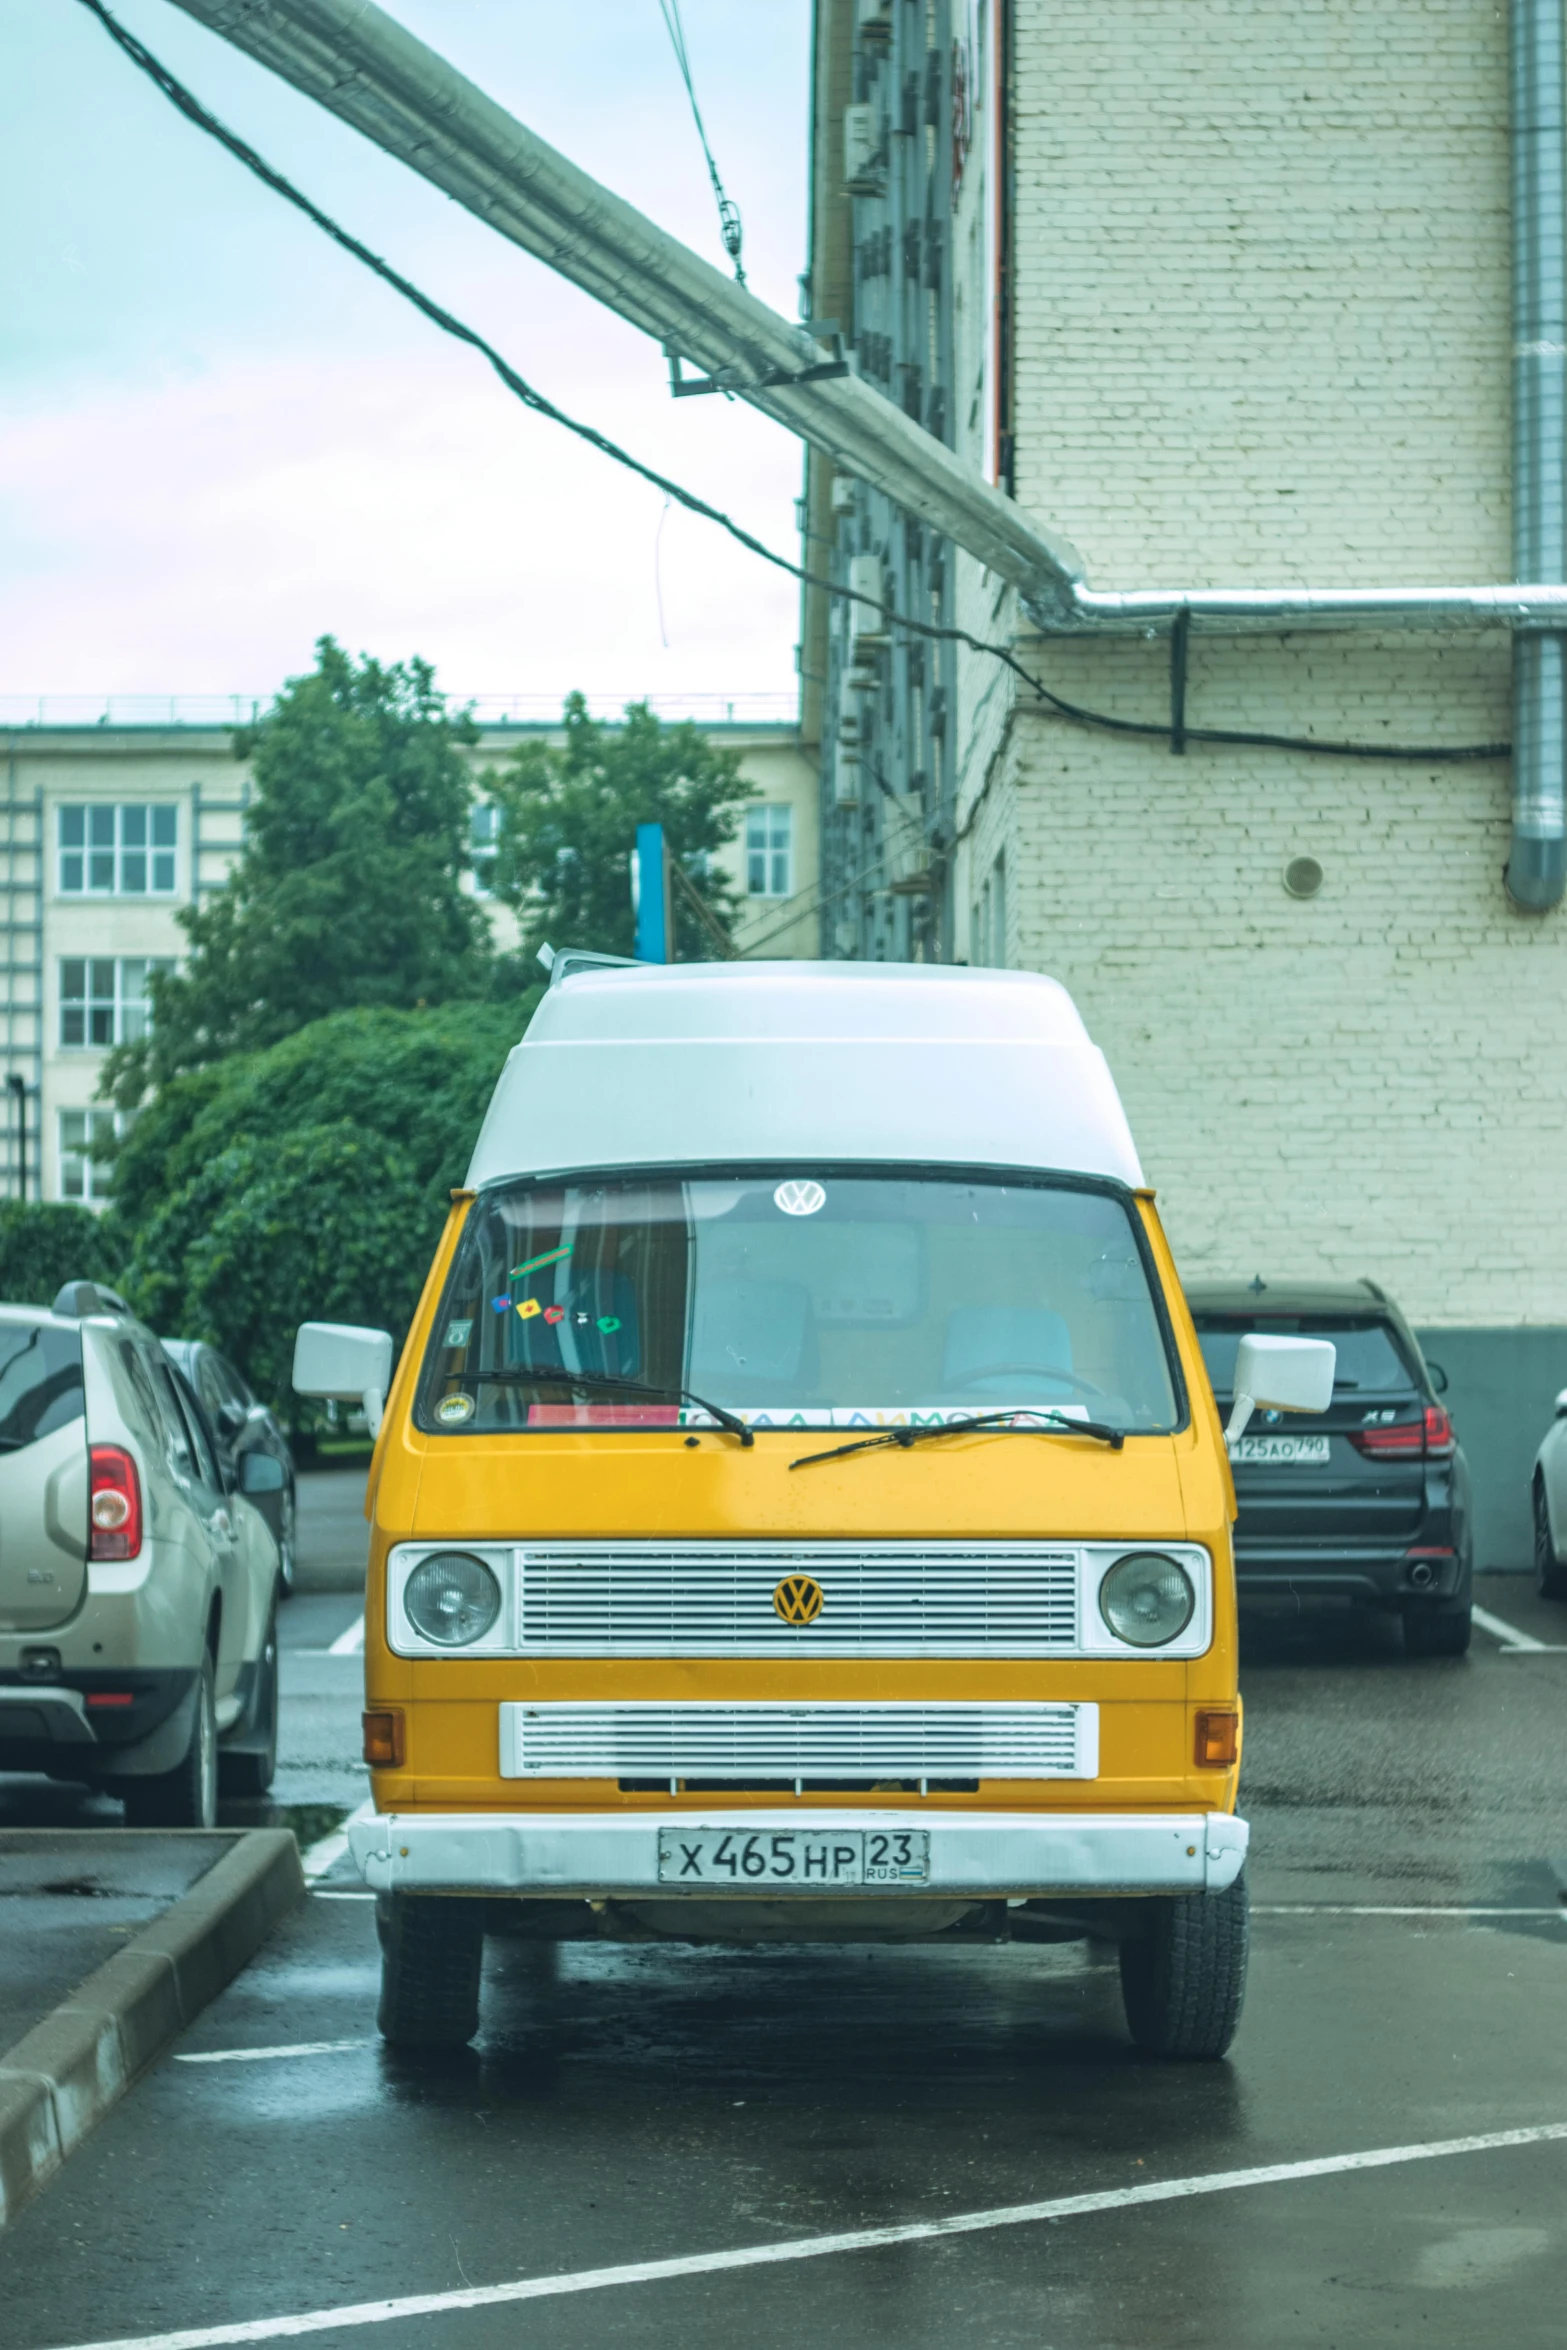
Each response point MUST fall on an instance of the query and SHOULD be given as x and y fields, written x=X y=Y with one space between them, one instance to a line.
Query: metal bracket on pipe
x=730 y=380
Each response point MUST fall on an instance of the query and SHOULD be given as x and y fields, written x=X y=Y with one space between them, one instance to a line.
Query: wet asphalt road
x=637 y=2106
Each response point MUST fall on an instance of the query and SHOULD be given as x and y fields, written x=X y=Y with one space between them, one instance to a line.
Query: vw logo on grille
x=799 y=1599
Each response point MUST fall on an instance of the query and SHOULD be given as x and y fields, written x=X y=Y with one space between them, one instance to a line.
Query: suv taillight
x=1431 y=1434
x=1440 y=1437
x=114 y=1508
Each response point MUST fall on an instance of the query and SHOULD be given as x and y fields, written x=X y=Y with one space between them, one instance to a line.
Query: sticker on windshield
x=528 y=1308
x=800 y=1197
x=458 y=1333
x=452 y=1410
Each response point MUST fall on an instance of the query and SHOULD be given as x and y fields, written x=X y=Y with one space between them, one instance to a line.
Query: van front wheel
x=432 y=1948
x=1184 y=1978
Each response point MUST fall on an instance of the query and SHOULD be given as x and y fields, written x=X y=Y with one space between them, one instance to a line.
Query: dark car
x=1367 y=1501
x=242 y=1426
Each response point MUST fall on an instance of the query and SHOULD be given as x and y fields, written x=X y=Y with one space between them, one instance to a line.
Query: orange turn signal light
x=1218 y=1741
x=386 y=1740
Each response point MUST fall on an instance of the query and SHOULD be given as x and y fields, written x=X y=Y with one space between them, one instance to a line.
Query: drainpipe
x=1537 y=858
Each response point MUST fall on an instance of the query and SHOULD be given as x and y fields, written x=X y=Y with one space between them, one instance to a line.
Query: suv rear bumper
x=1380 y=1575
x=54 y=1726
x=981 y=1855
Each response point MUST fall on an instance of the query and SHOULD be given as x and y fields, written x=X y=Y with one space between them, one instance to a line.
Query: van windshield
x=798 y=1297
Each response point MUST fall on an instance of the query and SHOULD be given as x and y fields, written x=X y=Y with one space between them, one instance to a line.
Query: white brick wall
x=1262 y=253
x=1263 y=337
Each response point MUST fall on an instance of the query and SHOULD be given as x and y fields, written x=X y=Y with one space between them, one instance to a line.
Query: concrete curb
x=59 y=2082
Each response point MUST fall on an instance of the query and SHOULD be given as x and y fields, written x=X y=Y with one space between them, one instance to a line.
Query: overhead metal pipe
x=1243 y=611
x=1537 y=857
x=364 y=67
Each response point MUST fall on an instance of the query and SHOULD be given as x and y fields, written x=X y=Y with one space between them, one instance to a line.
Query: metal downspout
x=1537 y=856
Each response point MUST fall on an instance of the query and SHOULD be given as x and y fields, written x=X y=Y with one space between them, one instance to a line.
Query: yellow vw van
x=799 y=1511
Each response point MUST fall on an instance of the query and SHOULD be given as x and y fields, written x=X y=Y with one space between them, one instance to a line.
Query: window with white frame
x=107 y=999
x=484 y=840
x=769 y=852
x=118 y=849
x=84 y=1156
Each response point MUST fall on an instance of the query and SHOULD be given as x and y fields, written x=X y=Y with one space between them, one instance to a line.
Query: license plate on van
x=799 y=1859
x=1282 y=1452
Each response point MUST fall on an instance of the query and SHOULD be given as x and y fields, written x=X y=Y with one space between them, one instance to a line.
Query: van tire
x=1431 y=1631
x=187 y=1796
x=1184 y=1978
x=432 y=1950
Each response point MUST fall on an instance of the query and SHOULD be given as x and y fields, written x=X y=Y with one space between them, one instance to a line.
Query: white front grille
x=716 y=1599
x=647 y=1739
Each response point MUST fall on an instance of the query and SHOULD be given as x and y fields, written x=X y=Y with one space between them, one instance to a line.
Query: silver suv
x=138 y=1589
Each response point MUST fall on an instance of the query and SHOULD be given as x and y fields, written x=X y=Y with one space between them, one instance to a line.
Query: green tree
x=307 y=1182
x=569 y=819
x=348 y=888
x=48 y=1243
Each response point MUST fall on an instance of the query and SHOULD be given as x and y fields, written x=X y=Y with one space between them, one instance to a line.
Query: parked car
x=243 y=1425
x=138 y=1581
x=1549 y=1496
x=1368 y=1501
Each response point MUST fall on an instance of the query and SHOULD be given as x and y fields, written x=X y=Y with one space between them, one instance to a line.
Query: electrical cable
x=1075 y=713
x=729 y=227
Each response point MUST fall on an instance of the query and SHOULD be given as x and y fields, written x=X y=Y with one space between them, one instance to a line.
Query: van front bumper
x=982 y=1855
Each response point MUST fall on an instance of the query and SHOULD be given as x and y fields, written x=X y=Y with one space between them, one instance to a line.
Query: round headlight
x=1147 y=1599
x=451 y=1598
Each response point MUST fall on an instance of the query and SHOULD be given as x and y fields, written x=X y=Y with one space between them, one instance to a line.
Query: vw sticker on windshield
x=800 y=1197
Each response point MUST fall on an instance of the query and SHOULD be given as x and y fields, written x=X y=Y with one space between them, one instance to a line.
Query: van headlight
x=1147 y=1599
x=451 y=1598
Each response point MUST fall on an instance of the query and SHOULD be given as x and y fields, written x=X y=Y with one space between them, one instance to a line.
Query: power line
x=729 y=227
x=1074 y=712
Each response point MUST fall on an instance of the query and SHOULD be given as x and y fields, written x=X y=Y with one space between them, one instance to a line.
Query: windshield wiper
x=1059 y=1424
x=606 y=1384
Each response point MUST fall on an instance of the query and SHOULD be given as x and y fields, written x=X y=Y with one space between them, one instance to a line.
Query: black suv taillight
x=1429 y=1437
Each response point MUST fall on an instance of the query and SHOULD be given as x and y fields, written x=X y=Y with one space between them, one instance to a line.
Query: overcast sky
x=223 y=437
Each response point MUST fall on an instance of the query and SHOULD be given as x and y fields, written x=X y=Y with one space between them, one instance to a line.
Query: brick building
x=1221 y=292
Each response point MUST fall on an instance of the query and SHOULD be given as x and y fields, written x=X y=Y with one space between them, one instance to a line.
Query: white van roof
x=668 y=1065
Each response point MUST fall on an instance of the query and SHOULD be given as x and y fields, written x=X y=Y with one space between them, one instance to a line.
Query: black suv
x=1367 y=1501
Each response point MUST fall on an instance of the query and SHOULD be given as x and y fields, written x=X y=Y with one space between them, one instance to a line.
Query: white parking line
x=351 y=1642
x=701 y=2264
x=1514 y=1642
x=266 y=2055
x=1366 y=1909
x=325 y=1853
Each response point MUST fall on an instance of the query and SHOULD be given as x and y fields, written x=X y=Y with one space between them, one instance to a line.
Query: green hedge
x=304 y=1183
x=46 y=1244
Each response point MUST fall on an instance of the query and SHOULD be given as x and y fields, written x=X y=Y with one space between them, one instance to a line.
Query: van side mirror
x=1559 y=1408
x=1280 y=1375
x=1437 y=1375
x=260 y=1472
x=346 y=1363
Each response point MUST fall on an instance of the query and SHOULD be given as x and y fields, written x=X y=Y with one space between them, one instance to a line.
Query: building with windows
x=111 y=821
x=1223 y=293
